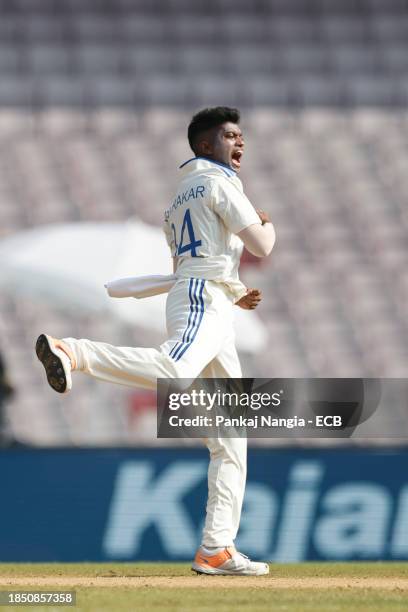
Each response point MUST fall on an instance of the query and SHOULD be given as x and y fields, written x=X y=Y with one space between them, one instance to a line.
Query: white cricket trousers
x=199 y=316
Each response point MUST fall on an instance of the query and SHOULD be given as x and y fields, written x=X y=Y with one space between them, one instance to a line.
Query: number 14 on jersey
x=182 y=246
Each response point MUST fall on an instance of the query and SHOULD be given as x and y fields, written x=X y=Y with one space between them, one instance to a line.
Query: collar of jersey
x=204 y=163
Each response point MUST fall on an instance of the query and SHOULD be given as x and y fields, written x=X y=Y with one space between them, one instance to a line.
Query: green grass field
x=173 y=587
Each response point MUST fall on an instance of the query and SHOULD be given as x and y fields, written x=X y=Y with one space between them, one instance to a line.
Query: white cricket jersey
x=201 y=224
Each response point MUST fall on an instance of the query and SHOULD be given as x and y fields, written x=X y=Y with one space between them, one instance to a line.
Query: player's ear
x=205 y=147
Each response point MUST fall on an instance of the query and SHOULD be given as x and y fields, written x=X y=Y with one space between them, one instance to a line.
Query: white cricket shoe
x=56 y=363
x=227 y=562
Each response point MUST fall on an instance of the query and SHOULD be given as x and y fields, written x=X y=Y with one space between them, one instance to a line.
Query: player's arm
x=253 y=227
x=175 y=264
x=259 y=238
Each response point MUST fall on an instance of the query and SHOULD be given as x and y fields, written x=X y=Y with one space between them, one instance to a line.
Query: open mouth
x=236 y=159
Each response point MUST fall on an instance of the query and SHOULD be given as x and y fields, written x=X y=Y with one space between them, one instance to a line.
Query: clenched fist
x=264 y=217
x=250 y=300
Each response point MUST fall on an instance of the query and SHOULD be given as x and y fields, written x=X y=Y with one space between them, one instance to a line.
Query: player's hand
x=264 y=217
x=251 y=300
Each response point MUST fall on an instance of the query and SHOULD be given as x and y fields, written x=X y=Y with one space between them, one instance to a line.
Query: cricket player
x=206 y=226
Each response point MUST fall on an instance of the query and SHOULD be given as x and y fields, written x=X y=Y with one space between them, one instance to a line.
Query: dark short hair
x=209 y=118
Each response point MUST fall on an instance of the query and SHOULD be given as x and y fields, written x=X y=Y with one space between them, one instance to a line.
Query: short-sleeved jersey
x=201 y=223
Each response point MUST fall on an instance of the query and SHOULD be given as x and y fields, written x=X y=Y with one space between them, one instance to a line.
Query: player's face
x=228 y=145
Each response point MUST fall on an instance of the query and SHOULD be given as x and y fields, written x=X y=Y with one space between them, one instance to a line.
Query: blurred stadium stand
x=94 y=102
x=175 y=52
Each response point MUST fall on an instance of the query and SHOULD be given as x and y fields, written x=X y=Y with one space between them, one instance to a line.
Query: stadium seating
x=94 y=101
x=174 y=52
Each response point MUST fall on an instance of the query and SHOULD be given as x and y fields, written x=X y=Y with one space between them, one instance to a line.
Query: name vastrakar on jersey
x=185 y=197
